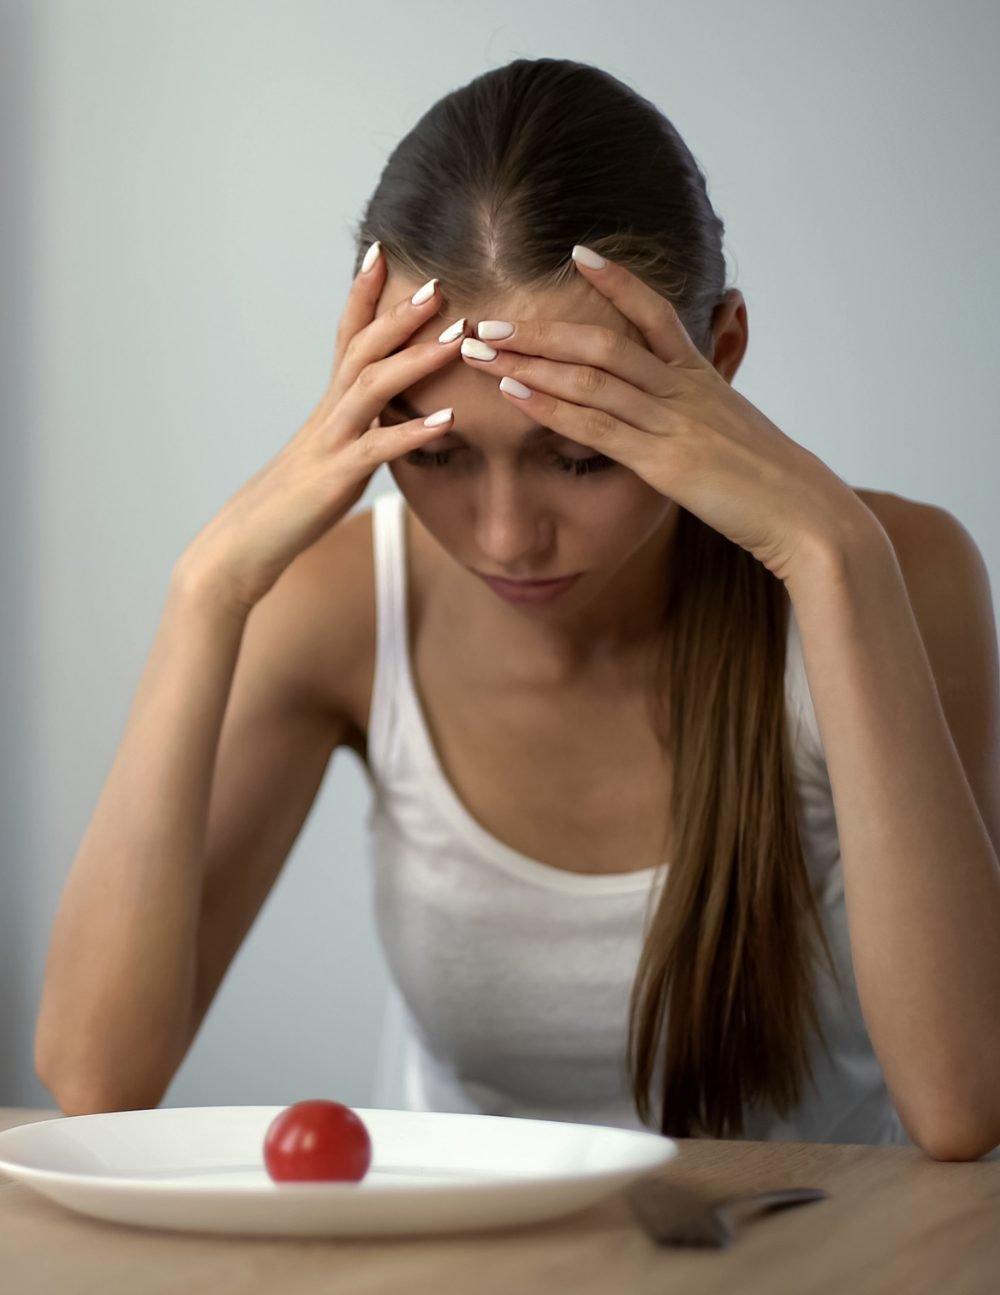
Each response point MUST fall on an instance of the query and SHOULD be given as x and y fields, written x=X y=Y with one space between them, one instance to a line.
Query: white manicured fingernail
x=371 y=256
x=586 y=257
x=494 y=328
x=478 y=350
x=455 y=330
x=438 y=417
x=515 y=388
x=423 y=294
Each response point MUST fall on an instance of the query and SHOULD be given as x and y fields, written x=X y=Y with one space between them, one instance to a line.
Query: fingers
x=374 y=363
x=383 y=444
x=362 y=302
x=364 y=337
x=380 y=381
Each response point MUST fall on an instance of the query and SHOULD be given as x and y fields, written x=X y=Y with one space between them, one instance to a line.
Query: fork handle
x=753 y=1203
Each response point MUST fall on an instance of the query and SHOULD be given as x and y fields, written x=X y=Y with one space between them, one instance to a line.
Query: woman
x=684 y=840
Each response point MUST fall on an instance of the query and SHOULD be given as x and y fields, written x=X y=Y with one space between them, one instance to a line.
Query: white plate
x=201 y=1168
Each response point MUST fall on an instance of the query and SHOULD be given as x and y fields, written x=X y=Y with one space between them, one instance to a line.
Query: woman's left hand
x=668 y=415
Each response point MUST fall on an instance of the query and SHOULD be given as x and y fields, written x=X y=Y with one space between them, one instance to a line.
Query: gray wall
x=178 y=184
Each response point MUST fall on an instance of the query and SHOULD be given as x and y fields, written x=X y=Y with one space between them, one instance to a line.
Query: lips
x=530 y=591
x=525 y=584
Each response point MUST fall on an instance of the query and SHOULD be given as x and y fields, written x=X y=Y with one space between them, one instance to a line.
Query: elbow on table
x=954 y=1120
x=77 y=1099
x=958 y=1141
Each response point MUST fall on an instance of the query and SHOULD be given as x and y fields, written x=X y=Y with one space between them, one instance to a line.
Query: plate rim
x=510 y=1183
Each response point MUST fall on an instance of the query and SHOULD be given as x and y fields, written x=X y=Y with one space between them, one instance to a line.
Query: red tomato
x=317 y=1141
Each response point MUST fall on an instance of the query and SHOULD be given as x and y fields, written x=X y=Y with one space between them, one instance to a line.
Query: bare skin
x=539 y=715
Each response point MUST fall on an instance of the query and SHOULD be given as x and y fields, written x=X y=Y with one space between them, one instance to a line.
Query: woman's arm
x=900 y=650
x=120 y=971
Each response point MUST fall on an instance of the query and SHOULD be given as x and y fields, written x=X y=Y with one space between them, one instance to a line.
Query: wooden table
x=896 y=1221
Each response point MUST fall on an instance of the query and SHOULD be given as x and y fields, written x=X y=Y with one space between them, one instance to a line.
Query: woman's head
x=508 y=499
x=498 y=180
x=488 y=193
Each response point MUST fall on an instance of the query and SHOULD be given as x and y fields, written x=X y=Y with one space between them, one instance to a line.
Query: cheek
x=433 y=508
x=617 y=518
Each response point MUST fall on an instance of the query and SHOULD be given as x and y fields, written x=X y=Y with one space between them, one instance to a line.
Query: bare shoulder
x=920 y=532
x=900 y=518
x=331 y=596
x=947 y=582
x=892 y=510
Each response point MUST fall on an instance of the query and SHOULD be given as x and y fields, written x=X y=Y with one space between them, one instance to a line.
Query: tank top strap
x=390 y=621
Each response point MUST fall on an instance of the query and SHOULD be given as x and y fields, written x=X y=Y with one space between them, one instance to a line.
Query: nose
x=511 y=532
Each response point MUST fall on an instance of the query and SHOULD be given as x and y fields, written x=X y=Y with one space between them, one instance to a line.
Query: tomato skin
x=317 y=1141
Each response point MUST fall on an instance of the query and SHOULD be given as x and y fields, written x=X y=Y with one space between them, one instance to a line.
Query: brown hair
x=488 y=192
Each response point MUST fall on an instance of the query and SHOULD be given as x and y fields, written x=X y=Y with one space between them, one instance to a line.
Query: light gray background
x=178 y=185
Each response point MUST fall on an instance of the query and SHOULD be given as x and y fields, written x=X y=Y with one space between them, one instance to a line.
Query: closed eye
x=578 y=467
x=425 y=458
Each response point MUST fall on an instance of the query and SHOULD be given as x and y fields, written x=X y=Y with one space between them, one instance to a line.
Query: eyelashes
x=422 y=458
x=574 y=467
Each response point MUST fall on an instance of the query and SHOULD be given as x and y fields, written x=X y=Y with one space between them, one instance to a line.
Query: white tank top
x=514 y=975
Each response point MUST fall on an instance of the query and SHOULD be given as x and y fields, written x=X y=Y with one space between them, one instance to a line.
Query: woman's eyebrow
x=400 y=403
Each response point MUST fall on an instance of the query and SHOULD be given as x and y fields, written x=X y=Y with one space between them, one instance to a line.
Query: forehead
x=577 y=302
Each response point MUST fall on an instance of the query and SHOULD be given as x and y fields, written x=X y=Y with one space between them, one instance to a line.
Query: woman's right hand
x=323 y=470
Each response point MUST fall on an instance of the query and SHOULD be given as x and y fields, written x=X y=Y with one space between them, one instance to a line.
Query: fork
x=678 y=1214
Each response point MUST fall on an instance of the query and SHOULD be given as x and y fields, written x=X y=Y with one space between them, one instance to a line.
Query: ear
x=730 y=332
